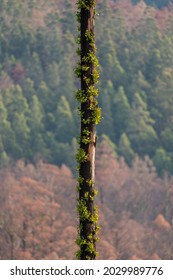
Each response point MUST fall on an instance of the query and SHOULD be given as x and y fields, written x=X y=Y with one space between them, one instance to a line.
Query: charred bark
x=90 y=115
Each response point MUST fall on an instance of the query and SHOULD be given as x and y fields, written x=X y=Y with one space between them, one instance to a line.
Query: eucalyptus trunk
x=90 y=116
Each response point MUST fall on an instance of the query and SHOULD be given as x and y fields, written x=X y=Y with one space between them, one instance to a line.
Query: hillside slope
x=37 y=83
x=38 y=219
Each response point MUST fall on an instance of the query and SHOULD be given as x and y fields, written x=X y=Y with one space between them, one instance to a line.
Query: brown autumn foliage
x=134 y=14
x=38 y=218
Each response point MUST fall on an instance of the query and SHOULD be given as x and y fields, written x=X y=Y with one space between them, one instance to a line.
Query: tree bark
x=88 y=227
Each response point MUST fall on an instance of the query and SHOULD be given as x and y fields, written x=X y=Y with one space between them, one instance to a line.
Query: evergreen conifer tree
x=140 y=130
x=125 y=148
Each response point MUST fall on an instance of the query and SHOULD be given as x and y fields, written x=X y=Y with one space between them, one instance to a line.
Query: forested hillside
x=38 y=218
x=37 y=83
x=156 y=3
x=39 y=126
x=37 y=57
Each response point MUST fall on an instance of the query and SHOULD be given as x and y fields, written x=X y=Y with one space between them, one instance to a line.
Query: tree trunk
x=90 y=115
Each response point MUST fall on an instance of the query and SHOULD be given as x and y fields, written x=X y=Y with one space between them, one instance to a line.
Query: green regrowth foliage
x=90 y=114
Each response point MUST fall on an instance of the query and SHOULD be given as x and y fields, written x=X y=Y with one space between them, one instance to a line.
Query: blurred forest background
x=39 y=125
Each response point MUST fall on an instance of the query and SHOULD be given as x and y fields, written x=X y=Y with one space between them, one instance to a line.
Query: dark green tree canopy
x=37 y=59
